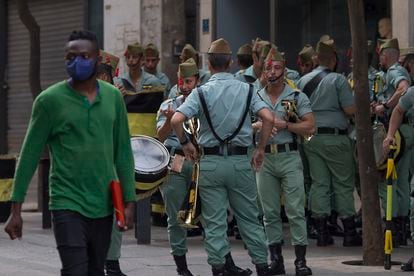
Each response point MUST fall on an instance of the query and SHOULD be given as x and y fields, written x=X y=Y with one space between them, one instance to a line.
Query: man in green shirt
x=397 y=80
x=406 y=103
x=282 y=172
x=329 y=152
x=226 y=177
x=151 y=60
x=83 y=122
x=187 y=53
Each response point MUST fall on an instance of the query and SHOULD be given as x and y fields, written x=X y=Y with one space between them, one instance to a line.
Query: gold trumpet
x=293 y=117
x=188 y=215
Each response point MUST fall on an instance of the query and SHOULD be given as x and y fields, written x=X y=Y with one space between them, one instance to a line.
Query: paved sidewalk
x=35 y=255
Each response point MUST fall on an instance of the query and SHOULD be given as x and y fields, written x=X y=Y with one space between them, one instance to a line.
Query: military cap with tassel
x=220 y=46
x=151 y=50
x=134 y=49
x=187 y=69
x=306 y=54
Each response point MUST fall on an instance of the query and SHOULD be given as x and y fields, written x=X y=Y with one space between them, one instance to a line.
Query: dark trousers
x=82 y=242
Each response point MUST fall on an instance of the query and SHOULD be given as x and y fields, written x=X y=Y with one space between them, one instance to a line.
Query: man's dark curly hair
x=86 y=35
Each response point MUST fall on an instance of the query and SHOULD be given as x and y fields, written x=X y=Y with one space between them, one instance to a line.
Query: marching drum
x=379 y=133
x=151 y=159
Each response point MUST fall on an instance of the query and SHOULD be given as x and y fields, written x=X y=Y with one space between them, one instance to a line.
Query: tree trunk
x=373 y=248
x=34 y=31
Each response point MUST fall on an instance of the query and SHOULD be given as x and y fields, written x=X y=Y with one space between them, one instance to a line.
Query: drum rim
x=163 y=166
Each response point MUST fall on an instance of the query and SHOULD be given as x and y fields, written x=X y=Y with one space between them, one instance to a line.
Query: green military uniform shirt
x=392 y=78
x=333 y=94
x=284 y=136
x=146 y=79
x=227 y=97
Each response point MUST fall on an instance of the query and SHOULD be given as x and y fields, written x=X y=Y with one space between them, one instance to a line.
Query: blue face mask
x=81 y=69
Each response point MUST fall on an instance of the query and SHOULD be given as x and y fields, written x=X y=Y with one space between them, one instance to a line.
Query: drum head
x=150 y=155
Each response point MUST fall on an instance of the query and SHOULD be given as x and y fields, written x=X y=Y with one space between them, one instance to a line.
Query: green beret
x=134 y=49
x=220 y=46
x=151 y=50
x=188 y=52
x=389 y=43
x=306 y=54
x=245 y=49
x=188 y=68
x=274 y=55
x=327 y=46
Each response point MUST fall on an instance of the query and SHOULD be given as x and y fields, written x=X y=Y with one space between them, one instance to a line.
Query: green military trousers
x=114 y=251
x=229 y=180
x=401 y=186
x=173 y=192
x=282 y=173
x=332 y=169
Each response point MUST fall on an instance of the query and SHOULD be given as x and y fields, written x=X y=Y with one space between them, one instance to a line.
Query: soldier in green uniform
x=189 y=52
x=259 y=52
x=141 y=119
x=244 y=59
x=226 y=176
x=151 y=60
x=175 y=188
x=406 y=103
x=397 y=81
x=329 y=152
x=305 y=59
x=282 y=172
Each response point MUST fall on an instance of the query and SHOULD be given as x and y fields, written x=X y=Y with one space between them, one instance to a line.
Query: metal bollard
x=143 y=221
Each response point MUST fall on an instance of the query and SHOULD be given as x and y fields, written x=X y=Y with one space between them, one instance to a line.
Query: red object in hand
x=118 y=203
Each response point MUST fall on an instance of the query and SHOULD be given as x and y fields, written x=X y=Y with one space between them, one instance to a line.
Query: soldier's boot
x=113 y=269
x=323 y=239
x=233 y=270
x=181 y=263
x=310 y=227
x=218 y=270
x=409 y=265
x=262 y=270
x=351 y=236
x=300 y=263
x=333 y=227
x=277 y=266
x=402 y=230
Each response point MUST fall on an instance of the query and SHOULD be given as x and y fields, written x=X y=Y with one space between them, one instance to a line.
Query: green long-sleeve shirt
x=89 y=146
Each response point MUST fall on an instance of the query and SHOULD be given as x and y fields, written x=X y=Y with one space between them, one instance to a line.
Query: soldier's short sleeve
x=407 y=100
x=257 y=103
x=304 y=105
x=191 y=106
x=160 y=116
x=345 y=96
x=396 y=76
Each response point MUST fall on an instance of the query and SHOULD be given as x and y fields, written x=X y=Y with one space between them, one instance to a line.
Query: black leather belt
x=331 y=130
x=231 y=150
x=176 y=151
x=273 y=148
